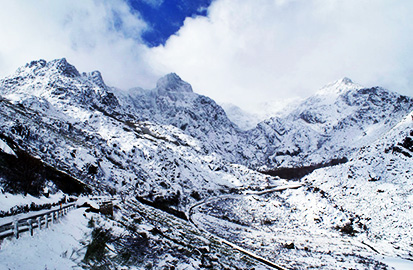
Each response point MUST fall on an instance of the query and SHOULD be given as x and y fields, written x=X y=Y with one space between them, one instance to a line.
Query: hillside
x=74 y=123
x=338 y=120
x=186 y=179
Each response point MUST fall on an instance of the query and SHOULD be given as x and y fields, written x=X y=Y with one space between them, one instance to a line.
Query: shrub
x=91 y=223
x=347 y=228
x=96 y=250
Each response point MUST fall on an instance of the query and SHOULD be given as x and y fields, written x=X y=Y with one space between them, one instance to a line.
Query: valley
x=327 y=185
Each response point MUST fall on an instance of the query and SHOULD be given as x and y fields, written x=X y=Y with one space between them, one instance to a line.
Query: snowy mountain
x=243 y=119
x=174 y=103
x=329 y=126
x=326 y=128
x=74 y=122
x=40 y=82
x=171 y=150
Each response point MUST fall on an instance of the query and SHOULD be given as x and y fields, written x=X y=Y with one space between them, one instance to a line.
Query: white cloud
x=103 y=35
x=251 y=51
x=244 y=52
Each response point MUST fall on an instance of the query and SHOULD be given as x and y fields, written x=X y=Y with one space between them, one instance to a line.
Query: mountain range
x=172 y=147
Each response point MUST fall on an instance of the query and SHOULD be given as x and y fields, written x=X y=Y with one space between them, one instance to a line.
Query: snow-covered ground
x=5 y=148
x=9 y=201
x=175 y=148
x=58 y=247
x=294 y=228
x=377 y=185
x=298 y=228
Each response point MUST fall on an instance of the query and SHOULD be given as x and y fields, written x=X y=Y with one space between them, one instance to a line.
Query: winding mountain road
x=252 y=255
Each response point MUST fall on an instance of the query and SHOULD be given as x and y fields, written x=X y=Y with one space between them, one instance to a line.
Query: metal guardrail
x=29 y=223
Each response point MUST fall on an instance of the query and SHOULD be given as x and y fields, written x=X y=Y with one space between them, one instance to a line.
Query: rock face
x=174 y=103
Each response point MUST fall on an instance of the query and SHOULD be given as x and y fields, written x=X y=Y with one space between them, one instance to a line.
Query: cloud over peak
x=104 y=35
x=243 y=52
x=250 y=51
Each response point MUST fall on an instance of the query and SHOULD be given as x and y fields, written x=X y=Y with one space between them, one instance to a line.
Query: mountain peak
x=63 y=67
x=97 y=78
x=41 y=67
x=338 y=87
x=346 y=80
x=173 y=83
x=36 y=64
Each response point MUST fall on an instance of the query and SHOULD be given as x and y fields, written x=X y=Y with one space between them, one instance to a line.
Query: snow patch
x=6 y=149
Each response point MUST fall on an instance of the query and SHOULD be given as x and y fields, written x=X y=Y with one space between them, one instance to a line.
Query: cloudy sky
x=242 y=51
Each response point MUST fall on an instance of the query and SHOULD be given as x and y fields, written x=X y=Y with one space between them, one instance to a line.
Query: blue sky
x=246 y=52
x=165 y=18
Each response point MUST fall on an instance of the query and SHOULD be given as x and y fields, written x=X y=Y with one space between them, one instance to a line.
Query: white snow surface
x=58 y=247
x=377 y=184
x=8 y=200
x=6 y=149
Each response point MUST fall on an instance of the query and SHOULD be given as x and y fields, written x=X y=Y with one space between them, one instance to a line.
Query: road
x=252 y=255
x=20 y=223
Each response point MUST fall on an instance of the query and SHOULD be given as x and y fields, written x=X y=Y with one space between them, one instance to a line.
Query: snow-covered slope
x=338 y=120
x=6 y=149
x=74 y=123
x=39 y=83
x=348 y=216
x=173 y=102
x=173 y=148
x=244 y=120
x=331 y=125
x=377 y=185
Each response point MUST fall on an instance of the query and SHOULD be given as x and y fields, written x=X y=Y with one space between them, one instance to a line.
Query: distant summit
x=173 y=83
x=61 y=66
x=60 y=83
x=338 y=87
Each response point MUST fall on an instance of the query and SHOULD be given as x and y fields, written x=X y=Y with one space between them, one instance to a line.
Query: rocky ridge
x=74 y=122
x=327 y=127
